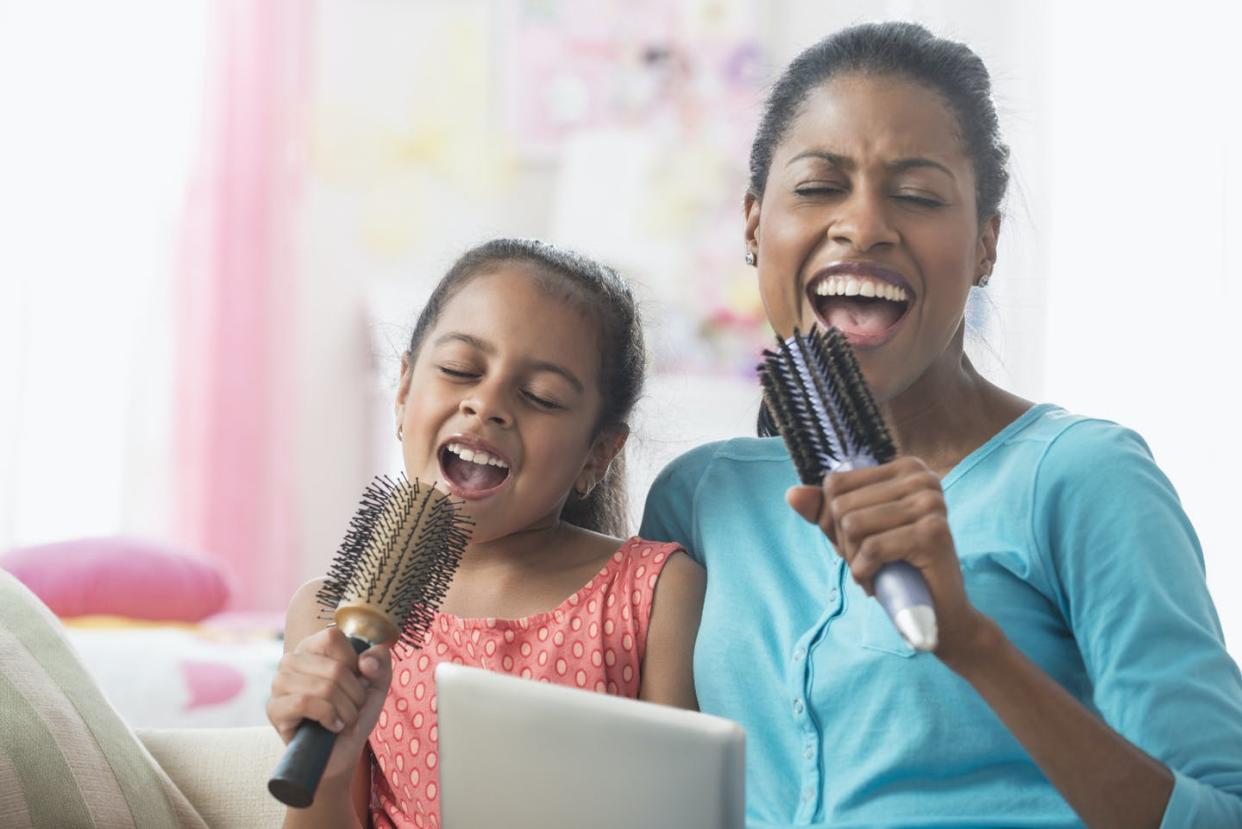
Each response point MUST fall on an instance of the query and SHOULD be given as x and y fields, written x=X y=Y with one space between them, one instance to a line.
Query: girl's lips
x=476 y=444
x=863 y=326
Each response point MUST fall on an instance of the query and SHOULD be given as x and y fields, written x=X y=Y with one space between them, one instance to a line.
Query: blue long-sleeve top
x=1069 y=537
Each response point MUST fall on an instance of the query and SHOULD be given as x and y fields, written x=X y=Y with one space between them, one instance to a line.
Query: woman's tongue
x=861 y=317
x=472 y=476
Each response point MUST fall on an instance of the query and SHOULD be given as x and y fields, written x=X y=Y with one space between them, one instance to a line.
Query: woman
x=1080 y=673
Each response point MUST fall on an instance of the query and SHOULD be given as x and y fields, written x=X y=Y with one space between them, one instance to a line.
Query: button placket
x=803 y=680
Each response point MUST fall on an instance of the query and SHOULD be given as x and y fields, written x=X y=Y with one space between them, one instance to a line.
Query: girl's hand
x=322 y=679
x=891 y=512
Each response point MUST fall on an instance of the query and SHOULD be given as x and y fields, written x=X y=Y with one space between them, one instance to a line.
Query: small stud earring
x=400 y=436
x=751 y=259
x=984 y=279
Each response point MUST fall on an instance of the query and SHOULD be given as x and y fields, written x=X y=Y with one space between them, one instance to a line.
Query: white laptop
x=519 y=754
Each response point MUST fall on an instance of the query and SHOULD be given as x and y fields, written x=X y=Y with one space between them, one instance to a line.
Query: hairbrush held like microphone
x=384 y=585
x=820 y=403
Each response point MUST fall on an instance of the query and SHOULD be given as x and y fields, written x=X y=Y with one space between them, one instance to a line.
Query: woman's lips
x=866 y=302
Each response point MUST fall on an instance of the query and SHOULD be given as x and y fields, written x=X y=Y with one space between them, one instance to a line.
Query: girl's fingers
x=287 y=711
x=316 y=698
x=331 y=671
x=375 y=665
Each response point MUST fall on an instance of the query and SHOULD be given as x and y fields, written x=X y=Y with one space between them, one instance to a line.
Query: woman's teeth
x=860 y=286
x=476 y=456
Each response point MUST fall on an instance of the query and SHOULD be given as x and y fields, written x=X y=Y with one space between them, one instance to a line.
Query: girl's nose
x=487 y=406
x=862 y=223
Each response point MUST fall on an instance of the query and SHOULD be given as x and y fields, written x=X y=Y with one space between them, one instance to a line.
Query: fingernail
x=369 y=663
x=337 y=725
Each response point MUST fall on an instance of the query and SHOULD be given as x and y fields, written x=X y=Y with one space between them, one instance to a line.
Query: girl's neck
x=551 y=540
x=949 y=412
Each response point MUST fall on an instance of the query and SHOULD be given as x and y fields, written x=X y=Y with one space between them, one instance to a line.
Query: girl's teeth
x=866 y=289
x=476 y=456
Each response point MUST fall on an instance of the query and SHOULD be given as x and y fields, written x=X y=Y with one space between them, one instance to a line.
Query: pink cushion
x=119 y=577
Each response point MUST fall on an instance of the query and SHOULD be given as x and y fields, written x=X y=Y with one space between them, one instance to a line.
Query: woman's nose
x=862 y=223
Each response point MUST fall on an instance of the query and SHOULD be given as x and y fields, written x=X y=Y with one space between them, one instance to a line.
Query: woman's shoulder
x=693 y=464
x=1075 y=444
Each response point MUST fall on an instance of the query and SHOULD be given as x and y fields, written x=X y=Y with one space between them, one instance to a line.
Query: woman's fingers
x=905 y=542
x=808 y=502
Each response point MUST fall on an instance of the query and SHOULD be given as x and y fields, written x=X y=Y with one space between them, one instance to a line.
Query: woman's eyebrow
x=898 y=166
x=903 y=164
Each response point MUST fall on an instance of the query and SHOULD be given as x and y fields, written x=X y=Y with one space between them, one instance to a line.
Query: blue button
x=799 y=655
x=832 y=595
x=798 y=707
x=807 y=795
x=809 y=753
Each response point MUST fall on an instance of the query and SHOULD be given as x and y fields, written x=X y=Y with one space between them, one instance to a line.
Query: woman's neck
x=949 y=412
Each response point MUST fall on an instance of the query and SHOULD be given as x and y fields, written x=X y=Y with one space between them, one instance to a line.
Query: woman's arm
x=319 y=679
x=668 y=665
x=897 y=511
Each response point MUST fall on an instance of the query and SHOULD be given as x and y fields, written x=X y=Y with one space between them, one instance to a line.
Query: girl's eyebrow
x=898 y=166
x=488 y=348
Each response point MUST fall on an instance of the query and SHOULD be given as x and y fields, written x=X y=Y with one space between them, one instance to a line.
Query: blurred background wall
x=220 y=218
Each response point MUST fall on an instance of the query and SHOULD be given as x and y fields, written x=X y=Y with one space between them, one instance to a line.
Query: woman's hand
x=892 y=512
x=322 y=679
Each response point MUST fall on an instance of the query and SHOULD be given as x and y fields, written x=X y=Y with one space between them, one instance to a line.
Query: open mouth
x=866 y=304
x=470 y=470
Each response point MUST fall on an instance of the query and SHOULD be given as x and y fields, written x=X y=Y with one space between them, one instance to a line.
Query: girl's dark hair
x=907 y=50
x=609 y=302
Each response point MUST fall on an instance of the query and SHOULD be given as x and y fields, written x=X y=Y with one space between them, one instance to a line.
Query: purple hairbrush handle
x=902 y=592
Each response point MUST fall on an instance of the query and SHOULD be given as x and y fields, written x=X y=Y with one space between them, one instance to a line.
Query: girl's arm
x=668 y=665
x=321 y=678
x=897 y=511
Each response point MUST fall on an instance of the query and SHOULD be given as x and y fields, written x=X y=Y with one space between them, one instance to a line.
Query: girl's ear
x=607 y=445
x=403 y=388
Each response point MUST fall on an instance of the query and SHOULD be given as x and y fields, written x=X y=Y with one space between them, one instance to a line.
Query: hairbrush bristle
x=816 y=395
x=398 y=557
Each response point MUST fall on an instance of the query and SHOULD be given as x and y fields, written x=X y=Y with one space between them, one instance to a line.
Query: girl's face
x=869 y=223
x=501 y=403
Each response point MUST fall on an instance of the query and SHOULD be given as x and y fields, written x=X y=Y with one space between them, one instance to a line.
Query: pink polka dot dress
x=594 y=640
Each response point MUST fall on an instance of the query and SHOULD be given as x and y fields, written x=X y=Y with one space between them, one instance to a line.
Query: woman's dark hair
x=907 y=50
x=608 y=301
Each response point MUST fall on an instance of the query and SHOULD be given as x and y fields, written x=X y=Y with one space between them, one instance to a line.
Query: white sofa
x=223 y=772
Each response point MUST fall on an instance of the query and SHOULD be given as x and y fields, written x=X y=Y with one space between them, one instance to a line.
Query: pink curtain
x=237 y=303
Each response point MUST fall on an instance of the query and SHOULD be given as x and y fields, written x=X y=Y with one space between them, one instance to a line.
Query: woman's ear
x=608 y=444
x=989 y=234
x=750 y=210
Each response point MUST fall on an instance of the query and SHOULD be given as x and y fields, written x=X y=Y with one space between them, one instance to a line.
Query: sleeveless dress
x=593 y=640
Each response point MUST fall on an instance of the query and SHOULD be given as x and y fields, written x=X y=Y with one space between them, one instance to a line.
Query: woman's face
x=869 y=223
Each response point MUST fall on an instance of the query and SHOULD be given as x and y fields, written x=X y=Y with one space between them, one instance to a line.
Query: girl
x=1081 y=673
x=514 y=392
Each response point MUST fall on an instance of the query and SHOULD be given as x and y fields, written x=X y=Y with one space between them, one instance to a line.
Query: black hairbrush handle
x=297 y=774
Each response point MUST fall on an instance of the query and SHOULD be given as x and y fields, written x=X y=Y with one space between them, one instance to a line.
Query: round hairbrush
x=383 y=587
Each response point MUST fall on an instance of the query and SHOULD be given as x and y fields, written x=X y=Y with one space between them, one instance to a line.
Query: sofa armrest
x=222 y=771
